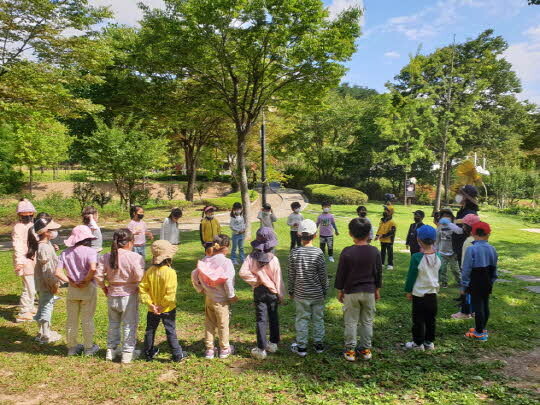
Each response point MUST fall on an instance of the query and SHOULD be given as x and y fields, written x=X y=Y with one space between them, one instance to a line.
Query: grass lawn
x=457 y=372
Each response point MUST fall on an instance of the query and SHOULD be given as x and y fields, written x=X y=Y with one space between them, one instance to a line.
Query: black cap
x=420 y=213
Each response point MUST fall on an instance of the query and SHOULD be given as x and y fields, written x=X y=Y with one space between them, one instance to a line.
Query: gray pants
x=358 y=313
x=309 y=311
x=123 y=320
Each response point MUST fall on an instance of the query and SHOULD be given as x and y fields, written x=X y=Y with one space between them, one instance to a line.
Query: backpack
x=210 y=275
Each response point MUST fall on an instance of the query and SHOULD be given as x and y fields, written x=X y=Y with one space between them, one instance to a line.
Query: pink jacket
x=268 y=275
x=19 y=238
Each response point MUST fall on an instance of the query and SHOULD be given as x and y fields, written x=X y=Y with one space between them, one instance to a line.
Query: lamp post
x=263 y=158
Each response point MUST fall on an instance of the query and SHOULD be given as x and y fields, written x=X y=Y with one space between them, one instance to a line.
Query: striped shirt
x=308 y=279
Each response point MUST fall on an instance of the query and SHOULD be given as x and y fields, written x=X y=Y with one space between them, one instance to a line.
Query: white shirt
x=170 y=231
x=427 y=281
x=293 y=219
x=237 y=224
x=267 y=219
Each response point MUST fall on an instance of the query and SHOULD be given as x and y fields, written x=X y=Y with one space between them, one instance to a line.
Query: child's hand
x=337 y=233
x=233 y=300
x=150 y=235
x=377 y=294
x=340 y=296
x=409 y=296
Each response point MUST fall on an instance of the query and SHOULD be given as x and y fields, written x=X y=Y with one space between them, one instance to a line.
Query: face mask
x=363 y=214
x=297 y=210
x=53 y=235
x=237 y=212
x=140 y=216
x=25 y=219
x=326 y=209
x=459 y=198
x=210 y=217
x=417 y=219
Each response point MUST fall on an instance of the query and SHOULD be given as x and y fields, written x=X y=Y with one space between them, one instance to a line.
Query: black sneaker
x=301 y=351
x=179 y=357
x=319 y=347
x=152 y=353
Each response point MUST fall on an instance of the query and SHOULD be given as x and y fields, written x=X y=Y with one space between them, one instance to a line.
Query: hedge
x=334 y=194
x=226 y=203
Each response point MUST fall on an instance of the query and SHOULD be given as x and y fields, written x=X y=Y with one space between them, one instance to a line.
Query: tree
x=10 y=179
x=124 y=154
x=248 y=54
x=534 y=2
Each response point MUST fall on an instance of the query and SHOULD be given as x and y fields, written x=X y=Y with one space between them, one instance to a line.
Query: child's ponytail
x=121 y=238
x=87 y=214
x=33 y=244
x=220 y=243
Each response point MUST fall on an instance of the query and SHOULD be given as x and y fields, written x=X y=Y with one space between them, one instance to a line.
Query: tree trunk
x=405 y=189
x=440 y=180
x=447 y=181
x=191 y=171
x=31 y=178
x=242 y=177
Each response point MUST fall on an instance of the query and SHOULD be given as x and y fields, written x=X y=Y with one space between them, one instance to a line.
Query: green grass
x=457 y=372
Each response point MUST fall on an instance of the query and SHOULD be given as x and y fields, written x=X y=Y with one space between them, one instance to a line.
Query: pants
x=140 y=250
x=466 y=304
x=480 y=304
x=387 y=248
x=424 y=311
x=295 y=240
x=28 y=294
x=123 y=320
x=358 y=314
x=81 y=307
x=238 y=244
x=169 y=322
x=449 y=262
x=306 y=311
x=217 y=317
x=327 y=241
x=45 y=307
x=266 y=312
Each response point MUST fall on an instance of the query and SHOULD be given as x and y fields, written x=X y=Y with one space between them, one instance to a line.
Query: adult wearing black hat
x=412 y=241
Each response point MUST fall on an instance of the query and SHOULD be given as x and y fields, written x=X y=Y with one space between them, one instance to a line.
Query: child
x=294 y=220
x=139 y=229
x=327 y=225
x=42 y=251
x=308 y=284
x=262 y=271
x=214 y=277
x=118 y=275
x=209 y=227
x=79 y=261
x=266 y=216
x=238 y=227
x=422 y=287
x=89 y=218
x=24 y=267
x=158 y=290
x=479 y=275
x=169 y=228
x=412 y=239
x=358 y=281
x=444 y=246
x=386 y=234
x=361 y=211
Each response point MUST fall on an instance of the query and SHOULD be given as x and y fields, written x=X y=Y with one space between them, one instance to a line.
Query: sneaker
x=301 y=351
x=389 y=267
x=235 y=262
x=331 y=259
x=365 y=354
x=484 y=331
x=319 y=348
x=223 y=354
x=113 y=353
x=56 y=298
x=149 y=355
x=258 y=354
x=26 y=317
x=461 y=315
x=129 y=357
x=209 y=354
x=38 y=338
x=482 y=337
x=53 y=337
x=73 y=351
x=271 y=347
x=350 y=355
x=413 y=346
x=91 y=351
x=179 y=357
x=429 y=346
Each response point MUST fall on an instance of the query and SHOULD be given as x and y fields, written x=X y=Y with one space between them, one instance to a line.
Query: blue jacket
x=481 y=255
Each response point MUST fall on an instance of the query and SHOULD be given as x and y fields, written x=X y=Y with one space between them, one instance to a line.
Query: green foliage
x=84 y=193
x=507 y=184
x=226 y=203
x=528 y=214
x=10 y=179
x=334 y=194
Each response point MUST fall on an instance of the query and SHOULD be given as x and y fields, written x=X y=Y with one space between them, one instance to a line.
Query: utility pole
x=263 y=158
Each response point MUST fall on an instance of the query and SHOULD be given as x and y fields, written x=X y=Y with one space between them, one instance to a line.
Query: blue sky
x=394 y=29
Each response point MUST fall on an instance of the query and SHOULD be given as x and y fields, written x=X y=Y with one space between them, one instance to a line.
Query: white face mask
x=53 y=235
x=297 y=210
x=237 y=212
x=326 y=209
x=459 y=198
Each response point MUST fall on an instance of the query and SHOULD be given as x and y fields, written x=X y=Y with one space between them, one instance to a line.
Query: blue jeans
x=45 y=307
x=309 y=311
x=140 y=250
x=238 y=243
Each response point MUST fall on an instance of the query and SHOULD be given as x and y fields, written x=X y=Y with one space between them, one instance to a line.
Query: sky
x=395 y=29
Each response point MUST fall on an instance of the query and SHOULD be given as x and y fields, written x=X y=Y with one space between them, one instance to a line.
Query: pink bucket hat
x=470 y=219
x=79 y=233
x=25 y=206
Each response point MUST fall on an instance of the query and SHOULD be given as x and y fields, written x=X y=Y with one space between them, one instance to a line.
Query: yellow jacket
x=209 y=229
x=158 y=287
x=384 y=228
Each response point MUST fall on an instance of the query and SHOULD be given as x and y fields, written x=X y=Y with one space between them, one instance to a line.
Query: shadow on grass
x=9 y=299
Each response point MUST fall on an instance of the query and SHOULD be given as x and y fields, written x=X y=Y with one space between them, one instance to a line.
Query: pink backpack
x=210 y=275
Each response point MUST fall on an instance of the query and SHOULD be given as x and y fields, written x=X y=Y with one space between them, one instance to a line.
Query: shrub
x=171 y=191
x=376 y=188
x=84 y=193
x=528 y=214
x=335 y=194
x=102 y=198
x=140 y=196
x=226 y=203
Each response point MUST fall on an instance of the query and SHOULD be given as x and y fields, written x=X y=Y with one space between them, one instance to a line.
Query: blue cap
x=426 y=232
x=445 y=221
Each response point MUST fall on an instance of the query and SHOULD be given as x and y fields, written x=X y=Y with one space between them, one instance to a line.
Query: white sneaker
x=25 y=317
x=53 y=337
x=413 y=346
x=113 y=353
x=271 y=347
x=129 y=357
x=429 y=346
x=258 y=354
x=72 y=351
x=389 y=267
x=93 y=350
x=331 y=259
x=302 y=352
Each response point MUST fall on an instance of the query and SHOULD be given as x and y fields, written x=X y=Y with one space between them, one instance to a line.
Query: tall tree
x=248 y=54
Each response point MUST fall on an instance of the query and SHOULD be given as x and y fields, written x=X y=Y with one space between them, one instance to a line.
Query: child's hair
x=175 y=213
x=480 y=232
x=361 y=208
x=446 y=212
x=307 y=236
x=219 y=244
x=295 y=205
x=427 y=242
x=133 y=210
x=236 y=206
x=436 y=216
x=87 y=212
x=359 y=228
x=84 y=242
x=326 y=204
x=266 y=206
x=121 y=238
x=166 y=262
x=33 y=241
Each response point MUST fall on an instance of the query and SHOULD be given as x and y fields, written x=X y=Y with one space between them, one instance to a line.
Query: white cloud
x=392 y=55
x=338 y=6
x=127 y=11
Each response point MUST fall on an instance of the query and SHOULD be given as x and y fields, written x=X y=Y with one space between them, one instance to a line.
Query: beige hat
x=162 y=250
x=43 y=225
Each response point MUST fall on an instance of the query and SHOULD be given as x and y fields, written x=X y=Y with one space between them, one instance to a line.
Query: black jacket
x=412 y=240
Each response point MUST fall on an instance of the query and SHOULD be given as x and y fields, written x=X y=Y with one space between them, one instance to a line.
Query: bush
x=84 y=193
x=528 y=214
x=299 y=177
x=335 y=195
x=376 y=188
x=226 y=203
